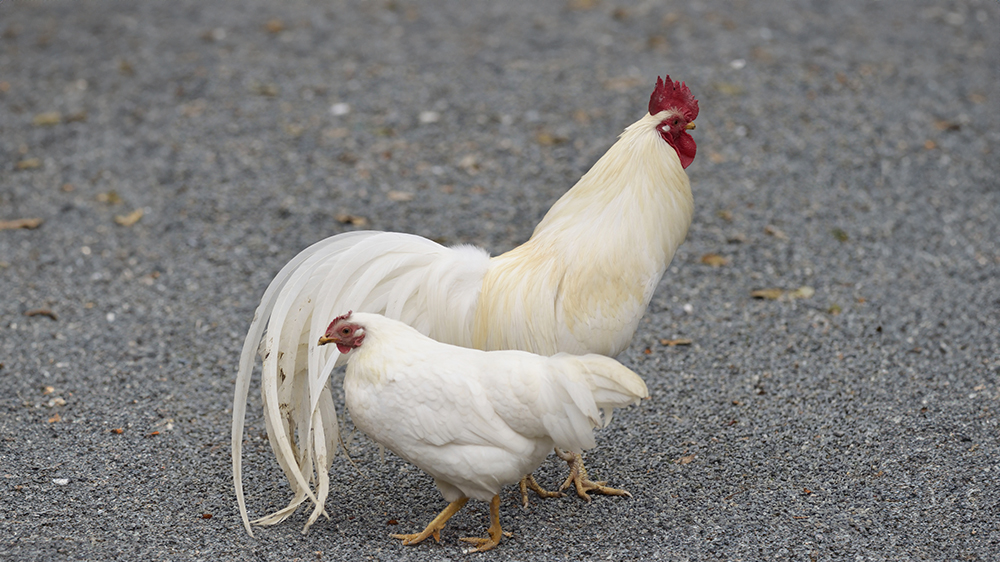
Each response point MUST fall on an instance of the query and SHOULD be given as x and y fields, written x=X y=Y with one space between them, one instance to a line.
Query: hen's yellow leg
x=495 y=531
x=434 y=527
x=529 y=483
x=578 y=477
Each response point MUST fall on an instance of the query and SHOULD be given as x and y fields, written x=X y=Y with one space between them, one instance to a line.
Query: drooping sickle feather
x=671 y=95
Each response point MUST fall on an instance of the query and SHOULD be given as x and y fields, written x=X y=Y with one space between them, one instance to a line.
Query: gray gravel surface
x=851 y=147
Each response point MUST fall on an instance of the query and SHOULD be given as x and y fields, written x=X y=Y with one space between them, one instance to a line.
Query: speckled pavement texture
x=178 y=153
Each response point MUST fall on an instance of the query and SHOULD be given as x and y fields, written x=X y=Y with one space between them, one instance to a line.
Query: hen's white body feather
x=477 y=420
x=579 y=285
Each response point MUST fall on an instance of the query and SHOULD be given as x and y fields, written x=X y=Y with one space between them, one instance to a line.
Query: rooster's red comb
x=671 y=95
x=338 y=319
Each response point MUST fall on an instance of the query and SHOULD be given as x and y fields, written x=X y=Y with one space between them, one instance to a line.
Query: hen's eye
x=345 y=331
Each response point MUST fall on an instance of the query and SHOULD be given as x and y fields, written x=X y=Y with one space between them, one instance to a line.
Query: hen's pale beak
x=689 y=126
x=323 y=340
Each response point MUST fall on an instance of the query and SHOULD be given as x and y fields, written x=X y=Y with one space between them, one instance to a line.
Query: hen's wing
x=426 y=285
x=561 y=396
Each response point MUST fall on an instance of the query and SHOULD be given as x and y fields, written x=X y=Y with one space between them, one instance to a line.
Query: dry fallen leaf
x=714 y=260
x=678 y=341
x=274 y=26
x=109 y=197
x=129 y=219
x=774 y=231
x=725 y=215
x=769 y=294
x=41 y=312
x=46 y=119
x=686 y=459
x=55 y=418
x=930 y=145
x=803 y=292
x=728 y=89
x=400 y=196
x=353 y=220
x=29 y=164
x=118 y=430
x=547 y=138
x=20 y=223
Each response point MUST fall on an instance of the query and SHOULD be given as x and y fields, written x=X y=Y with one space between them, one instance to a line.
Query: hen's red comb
x=671 y=95
x=338 y=319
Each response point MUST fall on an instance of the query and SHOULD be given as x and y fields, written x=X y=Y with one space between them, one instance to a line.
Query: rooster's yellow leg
x=578 y=477
x=495 y=531
x=529 y=483
x=434 y=527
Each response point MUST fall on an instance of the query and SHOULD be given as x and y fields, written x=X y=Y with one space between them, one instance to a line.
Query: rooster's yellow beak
x=323 y=340
x=689 y=126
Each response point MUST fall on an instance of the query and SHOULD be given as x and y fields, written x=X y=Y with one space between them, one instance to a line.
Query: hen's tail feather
x=429 y=286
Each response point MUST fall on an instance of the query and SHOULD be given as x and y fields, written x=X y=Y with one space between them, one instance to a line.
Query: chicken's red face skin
x=346 y=334
x=682 y=109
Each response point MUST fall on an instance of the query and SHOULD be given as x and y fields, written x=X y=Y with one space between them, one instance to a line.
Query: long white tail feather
x=402 y=276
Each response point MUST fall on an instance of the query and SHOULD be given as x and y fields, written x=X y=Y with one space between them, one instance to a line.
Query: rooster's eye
x=345 y=331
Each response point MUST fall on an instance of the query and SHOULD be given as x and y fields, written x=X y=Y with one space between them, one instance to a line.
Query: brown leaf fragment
x=774 y=231
x=716 y=157
x=676 y=342
x=47 y=119
x=392 y=522
x=944 y=125
x=548 y=138
x=769 y=294
x=29 y=164
x=353 y=220
x=151 y=434
x=725 y=215
x=20 y=223
x=109 y=197
x=274 y=25
x=834 y=310
x=686 y=459
x=5 y=87
x=48 y=390
x=714 y=260
x=55 y=418
x=803 y=292
x=728 y=88
x=929 y=144
x=206 y=515
x=78 y=116
x=806 y=491
x=118 y=430
x=400 y=196
x=129 y=219
x=41 y=312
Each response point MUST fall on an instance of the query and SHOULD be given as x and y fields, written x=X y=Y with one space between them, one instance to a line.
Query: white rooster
x=579 y=285
x=474 y=420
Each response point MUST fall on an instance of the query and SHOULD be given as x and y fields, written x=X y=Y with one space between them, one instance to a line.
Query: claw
x=529 y=483
x=578 y=478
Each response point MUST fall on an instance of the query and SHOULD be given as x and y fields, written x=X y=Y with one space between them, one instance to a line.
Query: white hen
x=474 y=420
x=579 y=285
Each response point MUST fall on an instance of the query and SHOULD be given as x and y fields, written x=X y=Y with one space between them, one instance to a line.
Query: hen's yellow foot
x=529 y=483
x=433 y=528
x=482 y=544
x=578 y=478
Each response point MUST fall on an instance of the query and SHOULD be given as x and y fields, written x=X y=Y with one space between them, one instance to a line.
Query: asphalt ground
x=848 y=147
